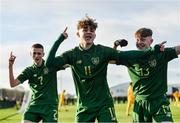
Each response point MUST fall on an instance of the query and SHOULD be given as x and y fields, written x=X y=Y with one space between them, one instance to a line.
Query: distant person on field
x=62 y=99
x=130 y=98
x=176 y=96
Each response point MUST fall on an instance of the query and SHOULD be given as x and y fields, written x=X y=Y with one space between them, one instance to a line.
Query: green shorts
x=101 y=114
x=46 y=113
x=158 y=109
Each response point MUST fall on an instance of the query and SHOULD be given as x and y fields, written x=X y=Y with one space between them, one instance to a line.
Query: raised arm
x=51 y=56
x=121 y=43
x=124 y=56
x=13 y=82
x=132 y=54
x=162 y=47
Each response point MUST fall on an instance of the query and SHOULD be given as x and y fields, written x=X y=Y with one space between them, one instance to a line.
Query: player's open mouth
x=140 y=45
x=36 y=60
x=88 y=37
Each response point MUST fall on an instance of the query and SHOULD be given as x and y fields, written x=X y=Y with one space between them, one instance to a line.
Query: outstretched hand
x=11 y=59
x=65 y=33
x=162 y=45
x=121 y=43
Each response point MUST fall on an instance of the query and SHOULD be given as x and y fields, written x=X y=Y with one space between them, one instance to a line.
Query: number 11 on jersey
x=87 y=70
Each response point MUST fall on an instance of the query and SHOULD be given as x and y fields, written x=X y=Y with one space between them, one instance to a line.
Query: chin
x=141 y=48
x=37 y=62
x=89 y=42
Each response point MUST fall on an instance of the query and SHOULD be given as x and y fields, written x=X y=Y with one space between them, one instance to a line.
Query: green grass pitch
x=68 y=116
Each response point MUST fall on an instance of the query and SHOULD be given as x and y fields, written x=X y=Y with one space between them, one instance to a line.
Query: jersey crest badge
x=136 y=66
x=45 y=70
x=95 y=60
x=152 y=63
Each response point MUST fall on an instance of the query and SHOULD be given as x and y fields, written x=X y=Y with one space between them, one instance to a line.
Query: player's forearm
x=115 y=47
x=177 y=49
x=134 y=54
x=13 y=82
x=51 y=56
x=149 y=51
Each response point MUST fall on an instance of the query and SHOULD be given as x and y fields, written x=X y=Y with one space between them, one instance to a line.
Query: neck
x=86 y=46
x=143 y=48
x=39 y=63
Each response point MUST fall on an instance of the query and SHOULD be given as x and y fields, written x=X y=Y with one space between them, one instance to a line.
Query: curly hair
x=87 y=21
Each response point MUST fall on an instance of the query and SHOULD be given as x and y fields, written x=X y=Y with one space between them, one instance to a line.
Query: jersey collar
x=34 y=65
x=81 y=49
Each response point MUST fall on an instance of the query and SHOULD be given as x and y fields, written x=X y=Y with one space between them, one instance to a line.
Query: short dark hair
x=143 y=32
x=37 y=45
x=130 y=83
x=87 y=21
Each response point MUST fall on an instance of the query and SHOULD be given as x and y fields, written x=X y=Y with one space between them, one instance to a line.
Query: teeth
x=88 y=37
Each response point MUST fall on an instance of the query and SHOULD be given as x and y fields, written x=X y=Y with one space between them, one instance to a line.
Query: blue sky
x=24 y=22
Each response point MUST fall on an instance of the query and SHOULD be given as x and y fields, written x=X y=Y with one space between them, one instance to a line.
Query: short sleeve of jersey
x=25 y=75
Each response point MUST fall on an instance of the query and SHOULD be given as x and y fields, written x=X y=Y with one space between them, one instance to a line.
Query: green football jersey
x=43 y=83
x=89 y=70
x=149 y=74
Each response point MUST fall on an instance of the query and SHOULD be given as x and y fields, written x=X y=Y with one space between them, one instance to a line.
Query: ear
x=30 y=53
x=152 y=41
x=77 y=33
x=43 y=54
x=137 y=40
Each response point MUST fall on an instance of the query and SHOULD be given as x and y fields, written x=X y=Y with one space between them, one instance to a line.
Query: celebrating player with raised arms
x=89 y=69
x=43 y=83
x=149 y=77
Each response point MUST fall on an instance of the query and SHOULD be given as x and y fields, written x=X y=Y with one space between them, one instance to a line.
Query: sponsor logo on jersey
x=45 y=70
x=79 y=62
x=95 y=60
x=35 y=75
x=83 y=80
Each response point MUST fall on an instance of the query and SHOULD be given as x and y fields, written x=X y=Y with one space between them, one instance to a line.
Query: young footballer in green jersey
x=43 y=83
x=89 y=69
x=149 y=76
